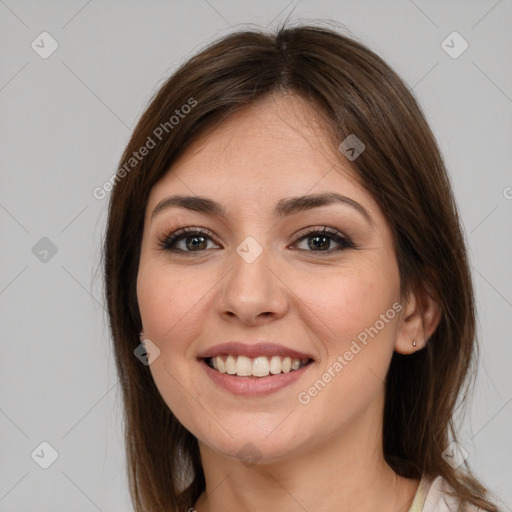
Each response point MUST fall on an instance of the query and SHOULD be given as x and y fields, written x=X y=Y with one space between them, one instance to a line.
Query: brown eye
x=194 y=243
x=322 y=241
x=187 y=240
x=319 y=242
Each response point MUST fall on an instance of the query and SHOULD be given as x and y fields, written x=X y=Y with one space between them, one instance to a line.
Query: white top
x=434 y=496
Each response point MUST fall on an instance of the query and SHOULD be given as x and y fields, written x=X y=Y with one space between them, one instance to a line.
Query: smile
x=261 y=366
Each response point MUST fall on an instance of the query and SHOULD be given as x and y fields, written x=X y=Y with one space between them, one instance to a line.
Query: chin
x=256 y=446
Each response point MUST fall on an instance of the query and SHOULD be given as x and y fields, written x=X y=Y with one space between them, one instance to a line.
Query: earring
x=413 y=343
x=141 y=335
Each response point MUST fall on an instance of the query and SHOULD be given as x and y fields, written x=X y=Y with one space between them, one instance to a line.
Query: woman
x=283 y=238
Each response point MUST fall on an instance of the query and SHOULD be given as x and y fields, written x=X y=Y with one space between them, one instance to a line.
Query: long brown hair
x=401 y=167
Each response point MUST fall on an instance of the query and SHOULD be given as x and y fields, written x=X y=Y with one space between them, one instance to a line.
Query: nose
x=253 y=293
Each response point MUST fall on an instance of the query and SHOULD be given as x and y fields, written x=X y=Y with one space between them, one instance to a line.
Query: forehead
x=280 y=146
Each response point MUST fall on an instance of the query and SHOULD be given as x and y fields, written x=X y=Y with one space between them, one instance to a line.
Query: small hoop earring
x=413 y=343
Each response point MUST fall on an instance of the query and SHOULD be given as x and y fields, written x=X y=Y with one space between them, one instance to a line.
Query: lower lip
x=254 y=386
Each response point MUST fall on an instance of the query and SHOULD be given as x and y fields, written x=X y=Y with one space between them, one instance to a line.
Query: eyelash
x=167 y=241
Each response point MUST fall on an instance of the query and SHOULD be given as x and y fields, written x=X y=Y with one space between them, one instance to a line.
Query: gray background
x=65 y=121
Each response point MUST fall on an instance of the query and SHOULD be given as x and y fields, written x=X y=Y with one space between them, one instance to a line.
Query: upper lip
x=252 y=350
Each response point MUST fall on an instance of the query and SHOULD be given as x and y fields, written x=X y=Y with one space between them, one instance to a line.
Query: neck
x=344 y=473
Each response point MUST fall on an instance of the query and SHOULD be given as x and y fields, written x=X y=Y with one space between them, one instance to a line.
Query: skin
x=325 y=455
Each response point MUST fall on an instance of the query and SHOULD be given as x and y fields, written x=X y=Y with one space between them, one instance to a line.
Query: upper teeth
x=259 y=366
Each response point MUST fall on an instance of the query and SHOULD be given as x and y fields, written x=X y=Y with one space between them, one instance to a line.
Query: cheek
x=354 y=316
x=169 y=303
x=344 y=306
x=171 y=307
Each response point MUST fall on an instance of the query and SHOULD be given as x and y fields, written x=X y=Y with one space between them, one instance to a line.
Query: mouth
x=256 y=367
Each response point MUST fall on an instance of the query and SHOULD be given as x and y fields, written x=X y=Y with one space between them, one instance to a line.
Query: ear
x=420 y=317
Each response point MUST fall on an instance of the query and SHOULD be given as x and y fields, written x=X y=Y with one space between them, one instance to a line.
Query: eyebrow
x=283 y=208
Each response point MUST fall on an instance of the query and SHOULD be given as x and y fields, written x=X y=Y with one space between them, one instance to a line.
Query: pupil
x=195 y=244
x=324 y=244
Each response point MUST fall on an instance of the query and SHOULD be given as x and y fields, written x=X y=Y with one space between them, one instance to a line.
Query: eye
x=196 y=240
x=187 y=240
x=321 y=240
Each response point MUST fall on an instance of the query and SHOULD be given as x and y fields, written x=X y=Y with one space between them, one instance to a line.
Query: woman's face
x=253 y=272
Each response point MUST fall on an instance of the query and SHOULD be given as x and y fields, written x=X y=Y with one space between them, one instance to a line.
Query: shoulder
x=441 y=498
